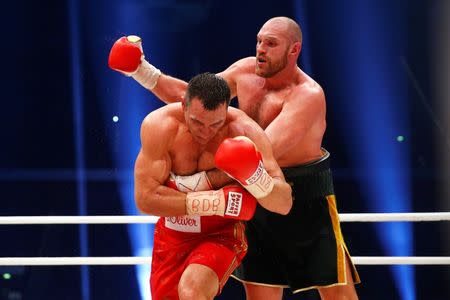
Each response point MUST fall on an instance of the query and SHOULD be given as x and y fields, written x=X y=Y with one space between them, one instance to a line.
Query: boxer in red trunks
x=182 y=173
x=305 y=249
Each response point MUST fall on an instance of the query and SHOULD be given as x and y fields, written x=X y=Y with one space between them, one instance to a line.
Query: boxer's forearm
x=169 y=89
x=279 y=200
x=160 y=201
x=219 y=178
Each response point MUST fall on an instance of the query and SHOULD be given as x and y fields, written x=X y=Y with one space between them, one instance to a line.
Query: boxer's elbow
x=284 y=205
x=141 y=202
x=280 y=206
x=285 y=208
x=279 y=200
x=144 y=201
x=290 y=200
x=284 y=198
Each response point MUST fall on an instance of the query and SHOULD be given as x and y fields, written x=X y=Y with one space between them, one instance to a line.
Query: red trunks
x=214 y=242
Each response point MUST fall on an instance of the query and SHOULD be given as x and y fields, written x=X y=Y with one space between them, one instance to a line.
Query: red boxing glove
x=232 y=202
x=126 y=54
x=239 y=158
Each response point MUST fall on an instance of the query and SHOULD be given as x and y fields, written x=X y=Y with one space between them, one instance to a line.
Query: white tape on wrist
x=147 y=75
x=260 y=184
x=192 y=183
x=207 y=203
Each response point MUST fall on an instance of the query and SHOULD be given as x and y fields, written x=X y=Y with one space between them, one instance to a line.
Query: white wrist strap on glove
x=207 y=203
x=260 y=184
x=192 y=183
x=147 y=75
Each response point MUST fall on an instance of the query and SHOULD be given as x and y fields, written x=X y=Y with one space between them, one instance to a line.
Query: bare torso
x=264 y=104
x=169 y=146
x=186 y=155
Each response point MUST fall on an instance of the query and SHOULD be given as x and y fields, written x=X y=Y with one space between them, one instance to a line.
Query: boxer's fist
x=232 y=202
x=239 y=158
x=190 y=183
x=126 y=55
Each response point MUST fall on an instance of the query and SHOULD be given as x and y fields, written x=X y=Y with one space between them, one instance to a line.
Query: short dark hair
x=210 y=89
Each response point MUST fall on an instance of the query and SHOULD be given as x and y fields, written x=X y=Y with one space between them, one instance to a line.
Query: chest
x=261 y=105
x=188 y=157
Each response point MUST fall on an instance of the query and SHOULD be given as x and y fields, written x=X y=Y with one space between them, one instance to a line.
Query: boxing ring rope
x=362 y=217
x=139 y=260
x=144 y=260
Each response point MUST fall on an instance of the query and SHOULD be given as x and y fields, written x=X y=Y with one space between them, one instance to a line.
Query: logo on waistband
x=183 y=223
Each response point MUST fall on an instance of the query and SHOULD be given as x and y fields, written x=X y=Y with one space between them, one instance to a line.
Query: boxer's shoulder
x=165 y=120
x=306 y=86
x=245 y=65
x=241 y=67
x=238 y=122
x=235 y=114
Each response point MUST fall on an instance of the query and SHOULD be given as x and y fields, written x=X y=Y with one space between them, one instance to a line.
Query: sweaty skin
x=290 y=106
x=168 y=145
x=292 y=114
x=287 y=103
x=183 y=139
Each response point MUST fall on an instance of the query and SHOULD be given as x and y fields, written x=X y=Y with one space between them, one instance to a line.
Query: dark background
x=61 y=154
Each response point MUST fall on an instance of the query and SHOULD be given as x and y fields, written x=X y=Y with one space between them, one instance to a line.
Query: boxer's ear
x=296 y=48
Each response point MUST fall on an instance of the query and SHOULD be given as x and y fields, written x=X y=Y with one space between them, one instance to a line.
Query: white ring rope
x=395 y=217
x=67 y=261
x=363 y=217
x=22 y=220
x=144 y=260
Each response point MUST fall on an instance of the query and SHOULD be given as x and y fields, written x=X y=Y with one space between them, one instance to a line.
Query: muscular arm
x=218 y=178
x=169 y=89
x=295 y=120
x=280 y=199
x=152 y=169
x=232 y=73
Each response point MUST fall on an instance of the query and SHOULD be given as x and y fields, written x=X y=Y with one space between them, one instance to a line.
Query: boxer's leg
x=198 y=282
x=259 y=292
x=341 y=292
x=211 y=263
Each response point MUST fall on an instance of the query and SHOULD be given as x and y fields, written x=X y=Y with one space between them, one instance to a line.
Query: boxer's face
x=204 y=124
x=272 y=48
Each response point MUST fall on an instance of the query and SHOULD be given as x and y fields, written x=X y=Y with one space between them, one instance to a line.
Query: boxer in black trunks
x=290 y=106
x=305 y=249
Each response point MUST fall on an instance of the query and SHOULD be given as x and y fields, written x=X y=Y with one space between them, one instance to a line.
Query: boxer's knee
x=198 y=282
x=191 y=290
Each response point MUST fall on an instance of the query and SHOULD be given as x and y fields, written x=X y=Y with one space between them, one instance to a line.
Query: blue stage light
x=133 y=112
x=378 y=101
x=364 y=46
x=78 y=115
